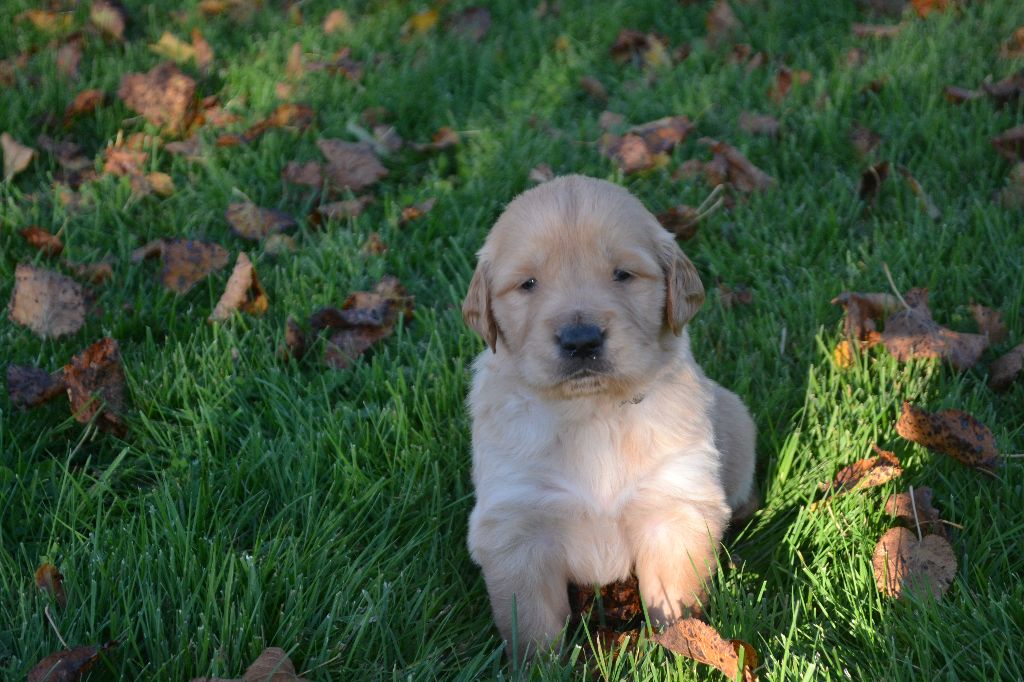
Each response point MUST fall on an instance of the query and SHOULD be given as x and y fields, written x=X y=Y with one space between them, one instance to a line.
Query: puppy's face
x=582 y=287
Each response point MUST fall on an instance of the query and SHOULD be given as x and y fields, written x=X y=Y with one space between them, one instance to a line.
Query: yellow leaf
x=421 y=22
x=173 y=47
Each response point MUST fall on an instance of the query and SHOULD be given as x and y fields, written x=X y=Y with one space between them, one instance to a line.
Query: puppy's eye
x=621 y=275
x=528 y=284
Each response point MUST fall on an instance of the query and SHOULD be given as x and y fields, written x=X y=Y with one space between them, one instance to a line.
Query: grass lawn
x=259 y=502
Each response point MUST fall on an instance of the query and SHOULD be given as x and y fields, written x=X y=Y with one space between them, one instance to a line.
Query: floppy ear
x=684 y=293
x=476 y=309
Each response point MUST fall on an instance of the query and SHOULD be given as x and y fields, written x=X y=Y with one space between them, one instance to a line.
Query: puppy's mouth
x=584 y=377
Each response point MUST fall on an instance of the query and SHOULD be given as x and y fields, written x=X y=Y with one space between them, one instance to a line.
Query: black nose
x=580 y=340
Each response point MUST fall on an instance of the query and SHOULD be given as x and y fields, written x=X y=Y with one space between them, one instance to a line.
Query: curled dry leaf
x=871 y=180
x=32 y=386
x=340 y=210
x=1010 y=143
x=470 y=24
x=254 y=222
x=85 y=102
x=1006 y=368
x=185 y=261
x=95 y=381
x=721 y=24
x=351 y=165
x=364 y=319
x=68 y=665
x=865 y=473
x=121 y=160
x=109 y=17
x=46 y=243
x=163 y=95
x=243 y=292
x=758 y=124
x=620 y=602
x=416 y=211
x=697 y=640
x=950 y=432
x=51 y=581
x=916 y=512
x=681 y=220
x=278 y=245
x=444 y=138
x=17 y=156
x=730 y=165
x=990 y=323
x=912 y=333
x=861 y=312
x=905 y=565
x=46 y=302
x=642 y=49
x=926 y=202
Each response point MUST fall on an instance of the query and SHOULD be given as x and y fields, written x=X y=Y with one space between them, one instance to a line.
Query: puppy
x=600 y=448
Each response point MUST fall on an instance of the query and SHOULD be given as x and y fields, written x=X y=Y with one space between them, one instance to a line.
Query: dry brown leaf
x=416 y=211
x=95 y=273
x=470 y=24
x=926 y=7
x=861 y=312
x=273 y=665
x=85 y=102
x=785 y=79
x=109 y=17
x=243 y=292
x=926 y=202
x=336 y=20
x=663 y=134
x=163 y=95
x=1006 y=368
x=294 y=340
x=304 y=173
x=444 y=138
x=50 y=580
x=364 y=319
x=541 y=173
x=47 y=21
x=1010 y=143
x=609 y=119
x=697 y=640
x=351 y=165
x=730 y=165
x=629 y=152
x=620 y=602
x=758 y=124
x=185 y=261
x=291 y=115
x=1005 y=91
x=46 y=302
x=958 y=95
x=95 y=380
x=721 y=24
x=124 y=161
x=871 y=180
x=594 y=87
x=864 y=139
x=191 y=149
x=1011 y=196
x=278 y=245
x=917 y=512
x=68 y=57
x=46 y=243
x=912 y=333
x=202 y=53
x=254 y=222
x=905 y=565
x=1013 y=48
x=153 y=183
x=68 y=665
x=990 y=323
x=865 y=473
x=950 y=432
x=680 y=220
x=877 y=30
x=729 y=297
x=340 y=210
x=32 y=386
x=17 y=156
x=374 y=245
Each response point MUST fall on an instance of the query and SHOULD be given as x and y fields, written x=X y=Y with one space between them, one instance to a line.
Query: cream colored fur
x=587 y=479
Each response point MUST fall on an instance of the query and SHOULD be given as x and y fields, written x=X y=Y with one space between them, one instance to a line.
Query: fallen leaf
x=340 y=210
x=1006 y=368
x=96 y=273
x=123 y=161
x=865 y=473
x=729 y=297
x=680 y=220
x=958 y=95
x=744 y=55
x=871 y=180
x=864 y=139
x=32 y=386
x=419 y=23
x=416 y=211
x=990 y=323
x=109 y=17
x=877 y=30
x=303 y=173
x=1005 y=91
x=594 y=87
x=758 y=124
x=1013 y=48
x=191 y=149
x=163 y=95
x=470 y=24
x=861 y=312
x=174 y=48
x=364 y=319
x=540 y=173
x=95 y=381
x=47 y=21
x=926 y=7
x=1011 y=196
x=68 y=57
x=253 y=222
x=926 y=202
x=697 y=640
x=785 y=78
x=46 y=243
x=912 y=333
x=1010 y=144
x=50 y=580
x=443 y=139
x=729 y=165
x=663 y=134
x=386 y=138
x=917 y=512
x=278 y=245
x=336 y=20
x=290 y=115
x=620 y=601
x=153 y=183
x=243 y=292
x=294 y=341
x=202 y=53
x=85 y=102
x=629 y=152
x=351 y=165
x=17 y=156
x=68 y=665
x=374 y=245
x=46 y=302
x=721 y=24
x=950 y=432
x=905 y=565
x=185 y=261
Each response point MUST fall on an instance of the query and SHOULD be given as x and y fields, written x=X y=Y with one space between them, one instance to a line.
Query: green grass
x=257 y=502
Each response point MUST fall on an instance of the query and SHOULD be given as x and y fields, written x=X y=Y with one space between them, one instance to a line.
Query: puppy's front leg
x=524 y=567
x=676 y=546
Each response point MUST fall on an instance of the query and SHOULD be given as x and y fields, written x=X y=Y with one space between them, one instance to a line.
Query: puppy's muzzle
x=580 y=342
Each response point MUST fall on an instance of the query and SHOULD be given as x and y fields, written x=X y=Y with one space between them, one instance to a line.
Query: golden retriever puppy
x=600 y=448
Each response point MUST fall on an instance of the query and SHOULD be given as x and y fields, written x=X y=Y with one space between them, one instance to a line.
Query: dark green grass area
x=256 y=502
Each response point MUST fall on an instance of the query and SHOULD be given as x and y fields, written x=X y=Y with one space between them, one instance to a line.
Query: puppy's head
x=582 y=287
